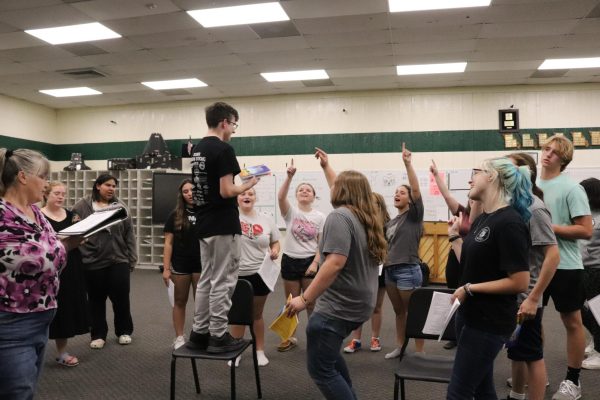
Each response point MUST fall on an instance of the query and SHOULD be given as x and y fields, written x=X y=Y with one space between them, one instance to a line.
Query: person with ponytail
x=494 y=260
x=345 y=289
x=527 y=355
x=31 y=258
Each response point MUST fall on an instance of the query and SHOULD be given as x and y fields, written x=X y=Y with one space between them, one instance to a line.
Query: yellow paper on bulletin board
x=283 y=325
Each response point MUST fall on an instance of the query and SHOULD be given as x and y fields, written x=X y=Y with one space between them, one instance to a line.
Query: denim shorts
x=404 y=276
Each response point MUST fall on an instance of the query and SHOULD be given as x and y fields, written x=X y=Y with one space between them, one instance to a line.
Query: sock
x=573 y=375
x=516 y=396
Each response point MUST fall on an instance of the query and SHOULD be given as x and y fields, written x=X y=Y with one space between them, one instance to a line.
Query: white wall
x=552 y=106
x=25 y=120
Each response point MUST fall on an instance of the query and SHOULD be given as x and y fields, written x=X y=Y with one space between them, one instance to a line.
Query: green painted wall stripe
x=339 y=143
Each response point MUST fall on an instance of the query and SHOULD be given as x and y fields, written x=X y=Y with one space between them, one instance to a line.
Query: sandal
x=287 y=345
x=67 y=360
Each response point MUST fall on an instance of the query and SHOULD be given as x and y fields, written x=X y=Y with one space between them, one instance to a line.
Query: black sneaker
x=450 y=344
x=198 y=341
x=224 y=344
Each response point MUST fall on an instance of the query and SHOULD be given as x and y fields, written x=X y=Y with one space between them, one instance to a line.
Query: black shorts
x=186 y=268
x=258 y=285
x=530 y=344
x=293 y=269
x=566 y=290
x=381 y=281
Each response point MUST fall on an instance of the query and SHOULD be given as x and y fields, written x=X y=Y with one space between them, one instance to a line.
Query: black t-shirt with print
x=186 y=248
x=212 y=159
x=498 y=243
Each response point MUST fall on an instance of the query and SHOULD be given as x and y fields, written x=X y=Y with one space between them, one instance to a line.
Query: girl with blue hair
x=494 y=260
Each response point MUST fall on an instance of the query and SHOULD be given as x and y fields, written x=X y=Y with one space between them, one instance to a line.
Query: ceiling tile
x=16 y=40
x=101 y=10
x=318 y=8
x=185 y=37
x=266 y=45
x=36 y=53
x=44 y=17
x=350 y=23
x=526 y=28
x=152 y=24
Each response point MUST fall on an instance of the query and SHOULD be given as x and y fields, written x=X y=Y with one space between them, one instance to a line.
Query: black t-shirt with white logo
x=186 y=248
x=498 y=243
x=212 y=159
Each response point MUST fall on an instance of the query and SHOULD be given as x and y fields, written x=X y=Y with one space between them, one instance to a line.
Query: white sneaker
x=237 y=361
x=394 y=354
x=567 y=391
x=589 y=348
x=97 y=344
x=592 y=361
x=262 y=359
x=178 y=342
x=124 y=339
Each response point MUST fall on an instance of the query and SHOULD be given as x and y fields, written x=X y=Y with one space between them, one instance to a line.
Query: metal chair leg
x=256 y=373
x=233 y=379
x=402 y=394
x=173 y=360
x=396 y=383
x=195 y=372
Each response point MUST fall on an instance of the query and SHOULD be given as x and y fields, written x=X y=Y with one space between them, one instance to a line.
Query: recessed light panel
x=421 y=69
x=175 y=84
x=569 y=63
x=239 y=15
x=295 y=75
x=74 y=33
x=71 y=92
x=420 y=5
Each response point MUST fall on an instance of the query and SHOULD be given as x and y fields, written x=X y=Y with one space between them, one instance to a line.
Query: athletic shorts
x=186 y=268
x=404 y=276
x=530 y=344
x=293 y=269
x=258 y=285
x=566 y=290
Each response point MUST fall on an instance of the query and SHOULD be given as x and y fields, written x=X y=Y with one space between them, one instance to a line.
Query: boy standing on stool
x=571 y=220
x=214 y=167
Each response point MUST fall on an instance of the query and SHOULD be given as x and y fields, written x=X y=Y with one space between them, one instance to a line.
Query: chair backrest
x=242 y=301
x=418 y=307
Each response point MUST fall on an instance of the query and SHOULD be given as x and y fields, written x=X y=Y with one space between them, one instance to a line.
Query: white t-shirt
x=258 y=233
x=303 y=230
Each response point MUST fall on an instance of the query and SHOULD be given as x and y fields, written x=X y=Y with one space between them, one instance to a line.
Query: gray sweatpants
x=220 y=264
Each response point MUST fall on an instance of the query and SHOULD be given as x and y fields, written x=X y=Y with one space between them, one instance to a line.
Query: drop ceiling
x=358 y=43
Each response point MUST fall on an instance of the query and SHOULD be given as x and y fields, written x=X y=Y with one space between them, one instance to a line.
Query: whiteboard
x=266 y=196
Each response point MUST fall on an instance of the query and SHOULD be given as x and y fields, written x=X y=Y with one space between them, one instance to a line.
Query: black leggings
x=112 y=282
x=591 y=284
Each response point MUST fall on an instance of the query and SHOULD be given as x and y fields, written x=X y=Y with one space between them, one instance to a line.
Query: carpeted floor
x=141 y=370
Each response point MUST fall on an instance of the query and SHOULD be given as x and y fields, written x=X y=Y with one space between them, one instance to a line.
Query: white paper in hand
x=440 y=313
x=171 y=293
x=269 y=272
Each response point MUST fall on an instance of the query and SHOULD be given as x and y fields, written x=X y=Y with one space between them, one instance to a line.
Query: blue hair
x=515 y=184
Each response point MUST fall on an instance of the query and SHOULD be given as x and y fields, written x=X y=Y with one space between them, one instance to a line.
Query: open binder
x=96 y=222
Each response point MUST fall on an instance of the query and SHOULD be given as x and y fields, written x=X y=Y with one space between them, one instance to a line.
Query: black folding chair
x=418 y=366
x=241 y=313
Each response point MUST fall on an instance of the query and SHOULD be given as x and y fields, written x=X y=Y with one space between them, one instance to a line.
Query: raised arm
x=327 y=170
x=413 y=181
x=448 y=198
x=284 y=204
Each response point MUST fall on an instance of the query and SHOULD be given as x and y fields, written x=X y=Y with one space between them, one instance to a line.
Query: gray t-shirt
x=404 y=234
x=352 y=295
x=590 y=249
x=542 y=235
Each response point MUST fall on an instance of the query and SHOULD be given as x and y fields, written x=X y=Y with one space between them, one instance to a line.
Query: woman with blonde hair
x=345 y=289
x=494 y=257
x=71 y=317
x=377 y=317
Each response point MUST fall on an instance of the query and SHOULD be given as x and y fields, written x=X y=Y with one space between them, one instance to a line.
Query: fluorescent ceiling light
x=70 y=92
x=295 y=75
x=74 y=33
x=448 y=68
x=239 y=15
x=175 y=84
x=419 y=5
x=569 y=63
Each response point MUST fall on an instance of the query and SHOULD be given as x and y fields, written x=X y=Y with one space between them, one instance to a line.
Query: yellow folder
x=283 y=325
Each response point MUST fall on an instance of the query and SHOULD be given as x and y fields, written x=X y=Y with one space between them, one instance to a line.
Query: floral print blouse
x=31 y=257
